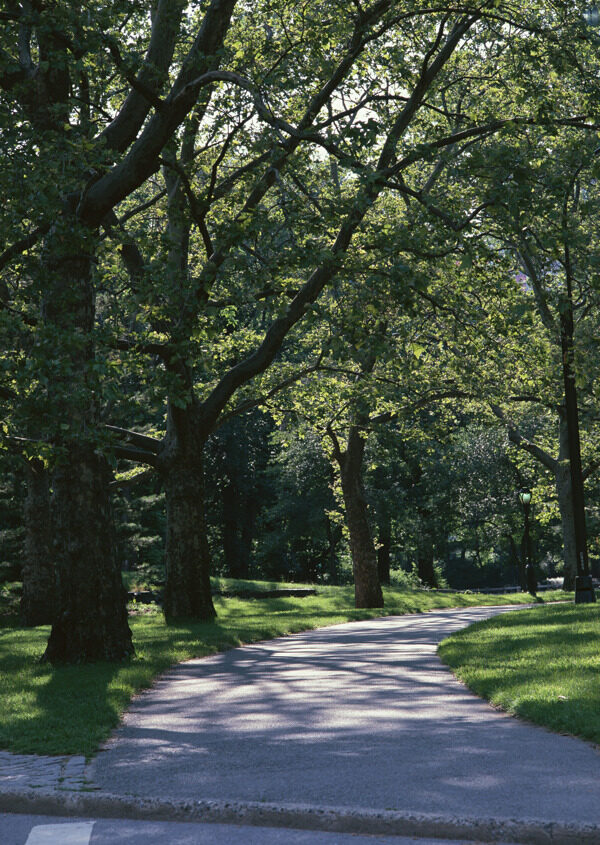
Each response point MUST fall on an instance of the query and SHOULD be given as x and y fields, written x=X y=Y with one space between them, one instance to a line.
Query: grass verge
x=540 y=664
x=72 y=709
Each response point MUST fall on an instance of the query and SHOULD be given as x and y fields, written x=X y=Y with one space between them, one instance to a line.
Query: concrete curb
x=298 y=816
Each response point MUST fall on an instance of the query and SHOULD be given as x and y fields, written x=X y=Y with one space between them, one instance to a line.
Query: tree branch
x=19 y=247
x=120 y=133
x=515 y=436
x=262 y=400
x=132 y=481
x=150 y=444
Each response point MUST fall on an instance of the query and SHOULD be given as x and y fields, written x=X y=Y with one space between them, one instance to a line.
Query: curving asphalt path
x=361 y=715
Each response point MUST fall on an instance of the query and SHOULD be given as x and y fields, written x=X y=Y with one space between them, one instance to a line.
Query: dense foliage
x=290 y=291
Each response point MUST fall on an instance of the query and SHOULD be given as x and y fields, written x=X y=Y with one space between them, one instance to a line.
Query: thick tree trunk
x=91 y=615
x=187 y=554
x=38 y=598
x=367 y=589
x=565 y=504
x=187 y=587
x=564 y=492
x=91 y=621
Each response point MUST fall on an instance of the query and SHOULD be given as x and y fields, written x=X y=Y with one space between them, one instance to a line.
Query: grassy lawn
x=541 y=664
x=72 y=709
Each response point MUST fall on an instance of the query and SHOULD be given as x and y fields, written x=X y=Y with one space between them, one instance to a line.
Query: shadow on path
x=362 y=714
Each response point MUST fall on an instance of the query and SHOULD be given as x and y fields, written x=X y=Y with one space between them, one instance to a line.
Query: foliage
x=348 y=219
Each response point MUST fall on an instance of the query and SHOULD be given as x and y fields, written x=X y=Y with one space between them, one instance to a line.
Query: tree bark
x=187 y=555
x=367 y=589
x=425 y=548
x=91 y=614
x=38 y=598
x=91 y=621
x=425 y=563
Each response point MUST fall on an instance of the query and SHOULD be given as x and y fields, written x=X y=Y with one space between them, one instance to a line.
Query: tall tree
x=235 y=215
x=50 y=53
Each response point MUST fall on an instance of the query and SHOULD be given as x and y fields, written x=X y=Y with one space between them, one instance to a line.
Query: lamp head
x=525 y=496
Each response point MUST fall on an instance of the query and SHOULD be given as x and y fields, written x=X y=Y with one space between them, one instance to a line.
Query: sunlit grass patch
x=73 y=709
x=540 y=664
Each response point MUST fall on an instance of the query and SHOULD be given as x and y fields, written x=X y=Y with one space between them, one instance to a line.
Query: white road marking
x=76 y=833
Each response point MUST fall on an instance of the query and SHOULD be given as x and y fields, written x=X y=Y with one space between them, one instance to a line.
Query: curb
x=299 y=816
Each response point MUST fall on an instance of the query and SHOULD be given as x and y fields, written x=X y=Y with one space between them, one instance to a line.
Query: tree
x=49 y=56
x=56 y=83
x=196 y=409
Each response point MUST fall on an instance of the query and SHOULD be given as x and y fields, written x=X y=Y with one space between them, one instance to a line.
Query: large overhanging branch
x=456 y=225
x=22 y=245
x=162 y=350
x=137 y=83
x=149 y=445
x=261 y=358
x=130 y=453
x=264 y=398
x=282 y=152
x=142 y=159
x=428 y=149
x=131 y=480
x=122 y=131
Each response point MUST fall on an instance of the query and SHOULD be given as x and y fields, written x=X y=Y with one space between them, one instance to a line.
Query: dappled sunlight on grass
x=541 y=664
x=73 y=709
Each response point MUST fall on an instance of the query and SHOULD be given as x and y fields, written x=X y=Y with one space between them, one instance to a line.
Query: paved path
x=361 y=715
x=354 y=729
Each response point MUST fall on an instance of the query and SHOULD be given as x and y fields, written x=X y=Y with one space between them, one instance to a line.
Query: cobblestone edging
x=30 y=771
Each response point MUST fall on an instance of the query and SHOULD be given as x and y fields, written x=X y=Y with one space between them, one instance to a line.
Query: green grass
x=72 y=709
x=541 y=664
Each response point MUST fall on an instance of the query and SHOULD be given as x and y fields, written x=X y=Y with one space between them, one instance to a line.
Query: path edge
x=299 y=816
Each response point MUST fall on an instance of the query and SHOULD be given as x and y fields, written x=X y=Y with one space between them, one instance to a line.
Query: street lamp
x=525 y=499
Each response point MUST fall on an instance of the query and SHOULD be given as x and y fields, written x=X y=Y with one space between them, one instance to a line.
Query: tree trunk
x=565 y=504
x=91 y=621
x=247 y=533
x=425 y=550
x=385 y=544
x=425 y=564
x=367 y=589
x=91 y=614
x=237 y=531
x=187 y=584
x=38 y=598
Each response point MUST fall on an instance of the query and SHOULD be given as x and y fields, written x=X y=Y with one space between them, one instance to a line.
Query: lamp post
x=525 y=499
